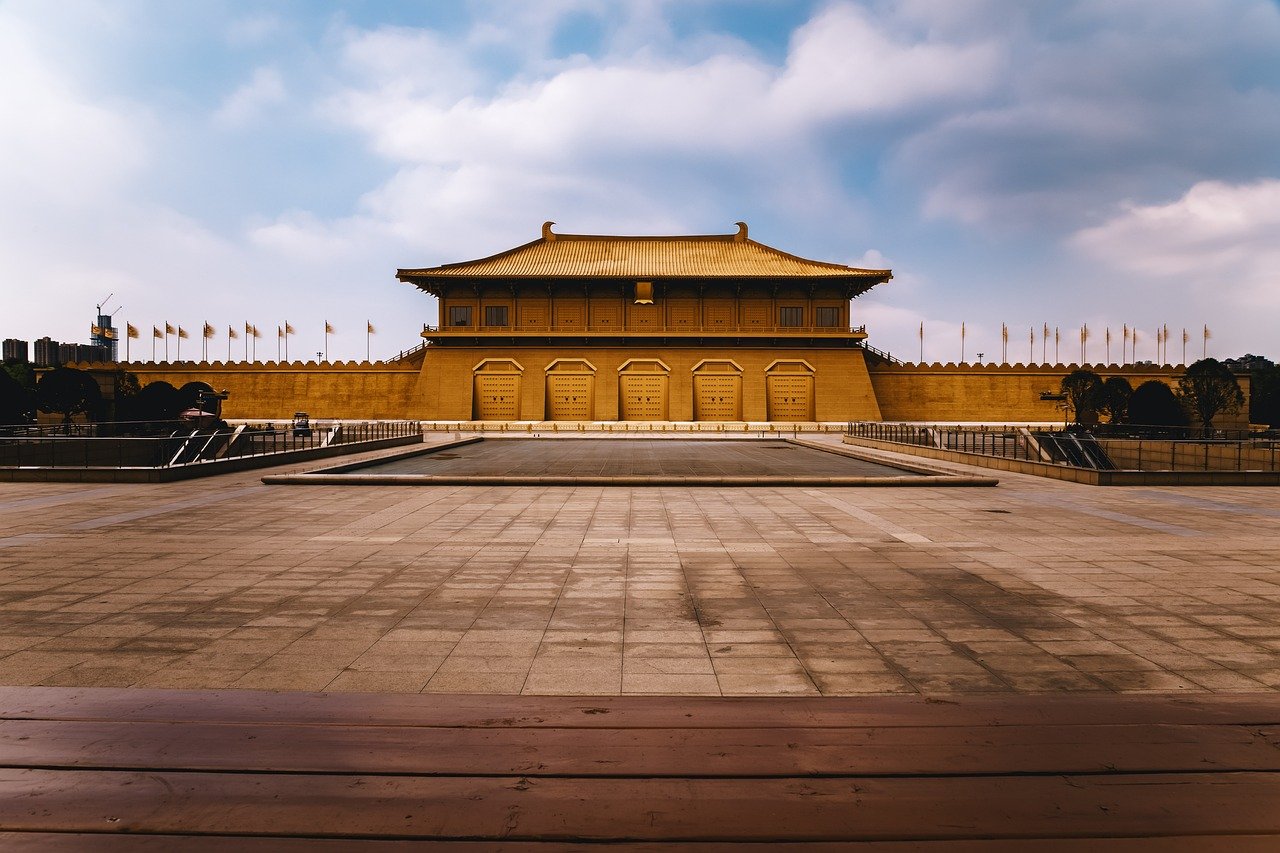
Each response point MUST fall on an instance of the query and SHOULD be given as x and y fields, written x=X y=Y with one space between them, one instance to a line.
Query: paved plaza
x=635 y=456
x=1035 y=586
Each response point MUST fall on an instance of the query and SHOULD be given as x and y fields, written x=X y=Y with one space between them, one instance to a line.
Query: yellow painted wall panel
x=273 y=392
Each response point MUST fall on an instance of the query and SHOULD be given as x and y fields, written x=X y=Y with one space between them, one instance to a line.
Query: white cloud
x=840 y=67
x=1214 y=235
x=264 y=89
x=1103 y=101
x=844 y=64
x=58 y=146
x=640 y=140
x=871 y=259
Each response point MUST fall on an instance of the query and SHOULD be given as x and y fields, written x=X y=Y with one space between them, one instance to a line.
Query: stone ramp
x=113 y=769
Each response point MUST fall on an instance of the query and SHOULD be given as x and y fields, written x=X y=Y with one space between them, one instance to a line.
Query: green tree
x=189 y=394
x=1209 y=388
x=22 y=372
x=16 y=402
x=1153 y=404
x=67 y=391
x=123 y=404
x=1084 y=395
x=157 y=401
x=1114 y=399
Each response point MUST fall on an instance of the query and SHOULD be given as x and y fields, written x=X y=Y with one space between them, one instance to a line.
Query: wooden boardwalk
x=125 y=770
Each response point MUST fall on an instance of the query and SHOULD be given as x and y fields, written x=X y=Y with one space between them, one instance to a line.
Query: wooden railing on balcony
x=656 y=330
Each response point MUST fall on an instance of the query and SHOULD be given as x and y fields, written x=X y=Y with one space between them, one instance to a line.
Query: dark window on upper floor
x=828 y=318
x=495 y=315
x=459 y=315
x=790 y=316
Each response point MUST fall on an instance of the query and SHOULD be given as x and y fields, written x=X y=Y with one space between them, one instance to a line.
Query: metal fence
x=1009 y=443
x=188 y=447
x=1078 y=449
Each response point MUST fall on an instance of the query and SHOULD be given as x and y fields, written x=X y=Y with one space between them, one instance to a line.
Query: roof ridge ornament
x=547 y=233
x=741 y=236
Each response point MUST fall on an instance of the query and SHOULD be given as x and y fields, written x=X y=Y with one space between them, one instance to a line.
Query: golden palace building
x=714 y=328
x=603 y=328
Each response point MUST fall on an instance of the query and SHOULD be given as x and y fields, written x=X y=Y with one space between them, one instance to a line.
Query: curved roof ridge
x=555 y=255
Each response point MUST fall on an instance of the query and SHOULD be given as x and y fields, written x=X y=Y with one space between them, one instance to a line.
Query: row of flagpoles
x=1128 y=344
x=251 y=337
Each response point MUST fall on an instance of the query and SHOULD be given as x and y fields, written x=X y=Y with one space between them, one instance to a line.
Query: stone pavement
x=635 y=456
x=1033 y=586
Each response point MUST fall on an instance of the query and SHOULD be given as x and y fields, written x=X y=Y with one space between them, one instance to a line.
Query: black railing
x=408 y=353
x=621 y=329
x=1080 y=449
x=881 y=354
x=190 y=446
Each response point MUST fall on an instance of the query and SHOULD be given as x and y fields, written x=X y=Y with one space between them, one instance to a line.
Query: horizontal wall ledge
x=594 y=480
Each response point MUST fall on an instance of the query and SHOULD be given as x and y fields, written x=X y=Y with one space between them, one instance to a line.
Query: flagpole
x=922 y=341
x=228 y=344
x=368 y=327
x=1031 y=348
x=1044 y=344
x=962 y=341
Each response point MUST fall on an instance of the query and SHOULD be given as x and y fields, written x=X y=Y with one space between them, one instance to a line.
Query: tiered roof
x=591 y=256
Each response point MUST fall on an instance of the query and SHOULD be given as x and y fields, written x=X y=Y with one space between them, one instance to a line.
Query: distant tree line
x=1206 y=390
x=68 y=391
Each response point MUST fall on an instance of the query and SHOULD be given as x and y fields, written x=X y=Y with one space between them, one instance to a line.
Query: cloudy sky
x=1105 y=162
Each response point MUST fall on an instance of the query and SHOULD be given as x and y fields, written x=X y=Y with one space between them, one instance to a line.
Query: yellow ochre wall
x=270 y=391
x=842 y=389
x=1002 y=393
x=845 y=386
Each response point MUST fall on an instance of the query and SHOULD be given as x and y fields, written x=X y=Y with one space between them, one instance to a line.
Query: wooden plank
x=40 y=842
x=518 y=808
x=631 y=712
x=636 y=752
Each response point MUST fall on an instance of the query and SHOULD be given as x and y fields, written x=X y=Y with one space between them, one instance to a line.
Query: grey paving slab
x=1035 y=586
x=632 y=457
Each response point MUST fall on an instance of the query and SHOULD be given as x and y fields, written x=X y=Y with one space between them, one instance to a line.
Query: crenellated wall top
x=248 y=366
x=1018 y=367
